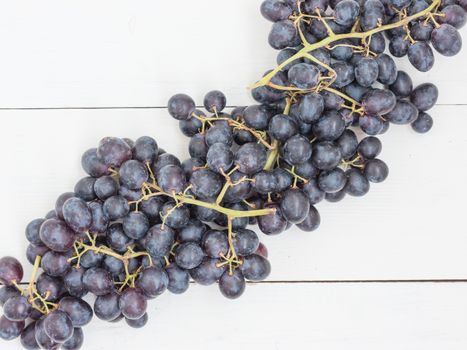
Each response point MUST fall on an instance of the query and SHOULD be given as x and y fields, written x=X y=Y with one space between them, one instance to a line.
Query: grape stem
x=336 y=37
x=81 y=248
x=260 y=136
x=33 y=294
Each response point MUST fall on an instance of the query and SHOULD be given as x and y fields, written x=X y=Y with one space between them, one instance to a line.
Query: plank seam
x=135 y=107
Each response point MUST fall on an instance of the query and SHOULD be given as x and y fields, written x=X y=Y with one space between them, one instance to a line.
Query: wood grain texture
x=122 y=53
x=409 y=227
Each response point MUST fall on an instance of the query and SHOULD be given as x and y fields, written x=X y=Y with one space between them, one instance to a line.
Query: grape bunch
x=139 y=224
x=142 y=221
x=332 y=54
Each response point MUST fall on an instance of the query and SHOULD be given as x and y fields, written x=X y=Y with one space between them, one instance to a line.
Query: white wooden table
x=388 y=271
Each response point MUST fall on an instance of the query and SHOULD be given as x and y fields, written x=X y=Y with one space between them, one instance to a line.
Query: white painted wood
x=126 y=53
x=296 y=316
x=410 y=227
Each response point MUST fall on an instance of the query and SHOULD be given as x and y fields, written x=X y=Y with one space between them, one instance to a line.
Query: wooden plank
x=411 y=227
x=122 y=53
x=327 y=317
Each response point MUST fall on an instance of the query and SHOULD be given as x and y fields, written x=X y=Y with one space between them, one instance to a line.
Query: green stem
x=336 y=37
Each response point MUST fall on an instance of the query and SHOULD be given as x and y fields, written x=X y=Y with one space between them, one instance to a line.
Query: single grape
x=326 y=155
x=454 y=15
x=73 y=282
x=145 y=149
x=113 y=151
x=116 y=207
x=274 y=223
x=181 y=106
x=233 y=285
x=265 y=182
x=347 y=143
x=313 y=192
x=250 y=158
x=329 y=126
x=296 y=150
x=404 y=112
x=402 y=86
x=215 y=243
x=138 y=323
x=378 y=102
x=282 y=127
x=10 y=330
x=424 y=96
x=133 y=174
x=55 y=264
x=366 y=71
x=275 y=11
x=283 y=34
x=423 y=123
x=376 y=170
x=84 y=189
x=398 y=46
x=344 y=74
x=205 y=183
x=159 y=240
x=32 y=231
x=311 y=222
x=369 y=147
x=58 y=326
x=133 y=303
x=79 y=311
x=387 y=69
x=135 y=225
x=60 y=201
x=11 y=271
x=49 y=286
x=219 y=157
x=105 y=187
x=208 y=272
x=346 y=12
x=100 y=221
x=117 y=239
x=255 y=268
x=189 y=255
x=153 y=281
x=77 y=215
x=17 y=308
x=446 y=40
x=92 y=165
x=421 y=56
x=304 y=75
x=179 y=279
x=219 y=132
x=357 y=184
x=332 y=181
x=257 y=117
x=98 y=281
x=106 y=307
x=294 y=205
x=372 y=14
x=215 y=101
x=8 y=292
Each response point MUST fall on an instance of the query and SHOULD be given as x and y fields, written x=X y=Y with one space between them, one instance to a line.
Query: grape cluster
x=142 y=221
x=336 y=49
x=139 y=224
